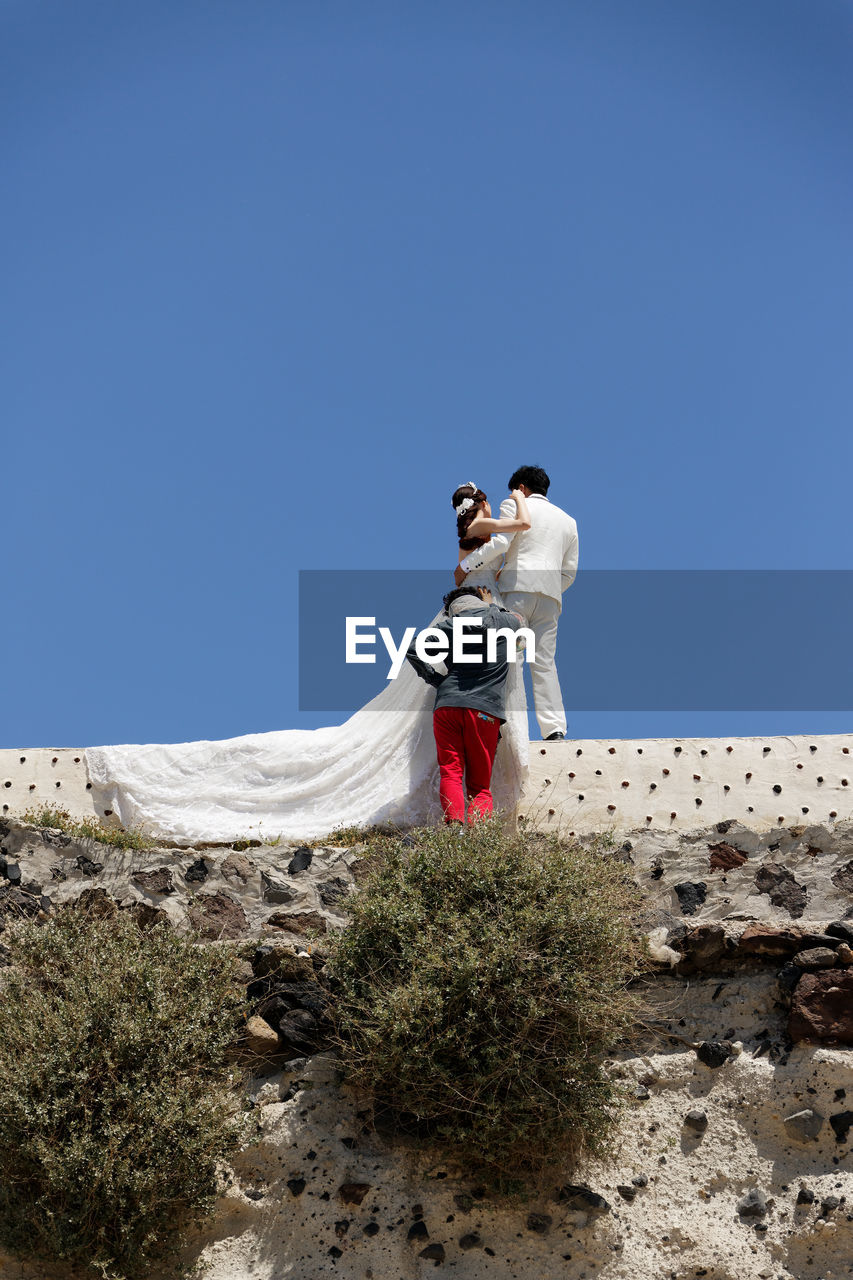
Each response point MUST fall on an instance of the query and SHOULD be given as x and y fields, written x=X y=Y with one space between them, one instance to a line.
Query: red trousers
x=466 y=742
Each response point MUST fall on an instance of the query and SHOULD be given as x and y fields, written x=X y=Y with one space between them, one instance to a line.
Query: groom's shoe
x=555 y=737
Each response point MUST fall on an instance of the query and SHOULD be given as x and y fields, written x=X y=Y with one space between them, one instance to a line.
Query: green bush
x=114 y=1111
x=480 y=983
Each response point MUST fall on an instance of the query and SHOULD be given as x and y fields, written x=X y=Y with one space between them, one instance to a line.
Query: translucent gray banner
x=629 y=640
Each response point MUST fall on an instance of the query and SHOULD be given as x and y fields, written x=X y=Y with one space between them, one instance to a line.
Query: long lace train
x=379 y=767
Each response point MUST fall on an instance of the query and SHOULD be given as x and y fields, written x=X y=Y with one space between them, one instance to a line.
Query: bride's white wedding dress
x=377 y=768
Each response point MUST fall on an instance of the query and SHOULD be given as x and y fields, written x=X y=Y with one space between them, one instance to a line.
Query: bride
x=378 y=768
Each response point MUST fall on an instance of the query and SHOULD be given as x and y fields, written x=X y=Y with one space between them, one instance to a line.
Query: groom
x=541 y=563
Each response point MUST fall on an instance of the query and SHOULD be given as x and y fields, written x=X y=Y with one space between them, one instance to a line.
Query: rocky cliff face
x=734 y=1158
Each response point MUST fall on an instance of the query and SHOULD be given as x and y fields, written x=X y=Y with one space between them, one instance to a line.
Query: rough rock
x=691 y=895
x=281 y=961
x=725 y=857
x=260 y=1037
x=788 y=977
x=581 y=1198
x=782 y=888
x=333 y=891
x=840 y=1123
x=287 y=996
x=703 y=946
x=88 y=866
x=299 y=922
x=770 y=940
x=696 y=1120
x=217 y=916
x=815 y=958
x=822 y=1007
x=842 y=878
x=10 y=871
x=300 y=1031
x=753 y=1204
x=276 y=891
x=198 y=871
x=353 y=1192
x=804 y=1126
x=97 y=903
x=841 y=929
x=300 y=861
x=237 y=866
x=155 y=880
x=713 y=1053
x=433 y=1253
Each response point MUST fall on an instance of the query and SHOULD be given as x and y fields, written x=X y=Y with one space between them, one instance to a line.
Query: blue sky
x=278 y=276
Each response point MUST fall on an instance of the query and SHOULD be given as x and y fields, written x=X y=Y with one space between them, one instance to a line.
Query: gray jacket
x=479 y=685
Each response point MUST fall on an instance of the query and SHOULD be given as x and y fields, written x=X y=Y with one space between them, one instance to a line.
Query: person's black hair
x=534 y=478
x=462 y=591
x=466 y=518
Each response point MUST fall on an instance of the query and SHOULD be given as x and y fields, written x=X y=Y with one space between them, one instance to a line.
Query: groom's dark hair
x=461 y=591
x=534 y=478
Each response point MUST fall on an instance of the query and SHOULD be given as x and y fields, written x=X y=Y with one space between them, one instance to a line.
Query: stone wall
x=734 y=1155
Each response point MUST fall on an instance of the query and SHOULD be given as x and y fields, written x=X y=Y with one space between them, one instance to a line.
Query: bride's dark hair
x=466 y=518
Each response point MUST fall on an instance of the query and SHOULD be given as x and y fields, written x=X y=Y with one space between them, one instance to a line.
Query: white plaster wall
x=669 y=784
x=676 y=784
x=683 y=1223
x=45 y=775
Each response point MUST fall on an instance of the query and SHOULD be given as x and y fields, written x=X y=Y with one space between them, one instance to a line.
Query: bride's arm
x=498 y=544
x=489 y=553
x=483 y=527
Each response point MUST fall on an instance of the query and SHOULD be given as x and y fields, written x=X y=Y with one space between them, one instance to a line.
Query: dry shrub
x=88 y=828
x=114 y=1113
x=480 y=983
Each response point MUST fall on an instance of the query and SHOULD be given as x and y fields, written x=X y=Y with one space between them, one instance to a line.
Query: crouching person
x=470 y=686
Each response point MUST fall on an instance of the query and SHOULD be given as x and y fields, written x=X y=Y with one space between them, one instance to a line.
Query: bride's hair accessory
x=466 y=503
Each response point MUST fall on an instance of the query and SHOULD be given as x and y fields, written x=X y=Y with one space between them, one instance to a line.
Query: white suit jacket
x=542 y=559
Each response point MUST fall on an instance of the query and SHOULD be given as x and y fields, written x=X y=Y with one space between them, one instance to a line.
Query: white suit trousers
x=541 y=614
